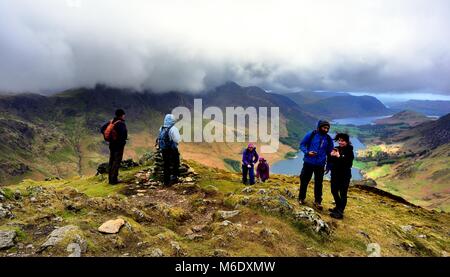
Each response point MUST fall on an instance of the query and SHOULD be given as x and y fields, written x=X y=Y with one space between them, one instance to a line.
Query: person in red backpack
x=115 y=132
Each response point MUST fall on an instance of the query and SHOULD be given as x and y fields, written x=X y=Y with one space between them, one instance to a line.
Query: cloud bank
x=350 y=45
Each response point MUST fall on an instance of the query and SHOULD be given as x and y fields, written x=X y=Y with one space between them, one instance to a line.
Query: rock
x=262 y=191
x=111 y=226
x=227 y=214
x=5 y=211
x=156 y=253
x=422 y=236
x=177 y=250
x=284 y=202
x=141 y=191
x=33 y=199
x=444 y=254
x=58 y=235
x=374 y=250
x=17 y=195
x=226 y=223
x=7 y=239
x=407 y=228
x=74 y=249
x=188 y=179
x=247 y=190
x=309 y=214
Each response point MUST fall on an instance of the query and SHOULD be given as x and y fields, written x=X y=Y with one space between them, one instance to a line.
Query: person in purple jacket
x=262 y=170
x=249 y=158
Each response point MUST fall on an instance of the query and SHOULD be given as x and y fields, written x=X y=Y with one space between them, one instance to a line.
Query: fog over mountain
x=350 y=45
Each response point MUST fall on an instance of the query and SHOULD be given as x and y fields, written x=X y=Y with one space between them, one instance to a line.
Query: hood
x=321 y=123
x=169 y=120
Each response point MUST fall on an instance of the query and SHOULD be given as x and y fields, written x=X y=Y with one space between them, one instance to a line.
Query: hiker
x=167 y=141
x=262 y=170
x=316 y=145
x=340 y=163
x=115 y=132
x=249 y=158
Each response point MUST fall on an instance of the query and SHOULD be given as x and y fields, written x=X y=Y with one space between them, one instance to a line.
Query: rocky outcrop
x=7 y=239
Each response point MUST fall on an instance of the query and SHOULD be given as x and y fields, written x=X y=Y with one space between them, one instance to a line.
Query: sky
x=377 y=46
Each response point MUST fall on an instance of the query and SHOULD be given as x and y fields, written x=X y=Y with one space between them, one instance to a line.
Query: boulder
x=7 y=239
x=68 y=233
x=111 y=226
x=374 y=250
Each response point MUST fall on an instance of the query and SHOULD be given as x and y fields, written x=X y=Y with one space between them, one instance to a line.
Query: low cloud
x=352 y=45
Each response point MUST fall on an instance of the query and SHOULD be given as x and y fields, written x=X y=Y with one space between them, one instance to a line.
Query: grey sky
x=349 y=45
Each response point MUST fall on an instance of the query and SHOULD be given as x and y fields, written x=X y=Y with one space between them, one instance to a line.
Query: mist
x=351 y=45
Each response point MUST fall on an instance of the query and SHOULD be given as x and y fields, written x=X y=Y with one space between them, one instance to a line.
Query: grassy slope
x=369 y=218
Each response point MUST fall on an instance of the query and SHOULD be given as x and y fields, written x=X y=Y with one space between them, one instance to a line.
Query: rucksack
x=164 y=140
x=110 y=133
x=311 y=137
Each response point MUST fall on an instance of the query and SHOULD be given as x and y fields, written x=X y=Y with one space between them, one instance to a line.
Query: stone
x=307 y=213
x=7 y=239
x=407 y=228
x=58 y=235
x=226 y=223
x=262 y=191
x=284 y=202
x=228 y=214
x=247 y=190
x=74 y=249
x=374 y=250
x=178 y=251
x=156 y=253
x=111 y=226
x=5 y=211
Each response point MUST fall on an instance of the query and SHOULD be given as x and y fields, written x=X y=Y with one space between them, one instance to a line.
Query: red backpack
x=110 y=133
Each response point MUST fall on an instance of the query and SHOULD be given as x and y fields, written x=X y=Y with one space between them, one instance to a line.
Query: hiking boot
x=337 y=215
x=332 y=210
x=318 y=206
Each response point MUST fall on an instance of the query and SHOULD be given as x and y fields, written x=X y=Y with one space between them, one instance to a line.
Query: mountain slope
x=428 y=107
x=338 y=105
x=212 y=214
x=58 y=135
x=409 y=118
x=419 y=169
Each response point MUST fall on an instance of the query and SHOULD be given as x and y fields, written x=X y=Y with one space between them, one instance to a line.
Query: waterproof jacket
x=341 y=166
x=321 y=143
x=262 y=170
x=249 y=157
x=121 y=131
x=174 y=133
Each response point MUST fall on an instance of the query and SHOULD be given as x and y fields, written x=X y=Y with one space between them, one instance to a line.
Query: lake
x=294 y=166
x=358 y=121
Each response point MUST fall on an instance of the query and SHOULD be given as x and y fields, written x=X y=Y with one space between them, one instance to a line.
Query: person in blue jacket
x=249 y=159
x=316 y=145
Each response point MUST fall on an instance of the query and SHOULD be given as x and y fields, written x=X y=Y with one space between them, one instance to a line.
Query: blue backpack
x=164 y=141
